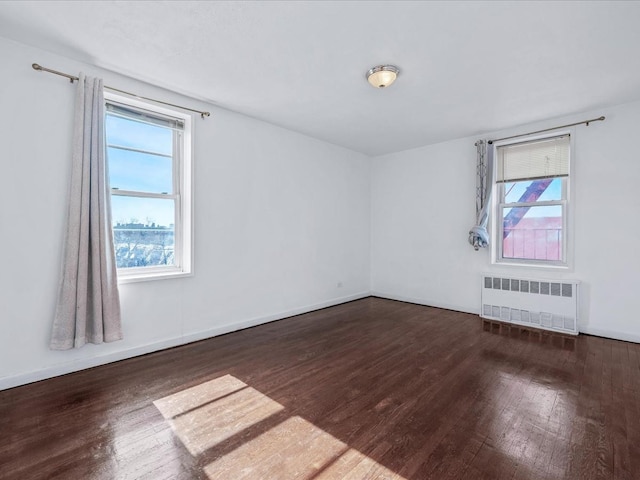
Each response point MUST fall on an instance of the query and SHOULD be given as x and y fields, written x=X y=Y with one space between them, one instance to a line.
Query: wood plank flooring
x=372 y=389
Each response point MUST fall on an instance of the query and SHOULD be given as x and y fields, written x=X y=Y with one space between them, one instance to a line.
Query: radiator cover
x=548 y=304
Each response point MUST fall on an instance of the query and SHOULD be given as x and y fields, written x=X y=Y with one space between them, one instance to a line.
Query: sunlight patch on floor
x=208 y=414
x=293 y=449
x=194 y=397
x=353 y=465
x=296 y=449
x=214 y=411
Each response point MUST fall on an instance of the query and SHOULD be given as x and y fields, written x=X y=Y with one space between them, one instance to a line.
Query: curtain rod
x=73 y=78
x=586 y=122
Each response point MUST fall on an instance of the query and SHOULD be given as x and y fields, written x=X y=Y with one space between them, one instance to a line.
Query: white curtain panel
x=88 y=309
x=479 y=235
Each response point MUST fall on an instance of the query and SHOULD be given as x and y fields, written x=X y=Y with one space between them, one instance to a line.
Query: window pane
x=143 y=231
x=533 y=190
x=129 y=133
x=532 y=233
x=139 y=171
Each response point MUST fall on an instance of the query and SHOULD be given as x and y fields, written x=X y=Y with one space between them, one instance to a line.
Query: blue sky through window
x=514 y=190
x=140 y=172
x=130 y=133
x=147 y=211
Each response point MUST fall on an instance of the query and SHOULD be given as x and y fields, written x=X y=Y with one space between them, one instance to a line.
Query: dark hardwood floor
x=369 y=389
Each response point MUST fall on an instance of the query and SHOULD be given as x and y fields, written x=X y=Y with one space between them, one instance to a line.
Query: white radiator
x=548 y=304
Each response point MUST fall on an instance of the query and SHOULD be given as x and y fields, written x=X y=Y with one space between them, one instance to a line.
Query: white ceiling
x=466 y=67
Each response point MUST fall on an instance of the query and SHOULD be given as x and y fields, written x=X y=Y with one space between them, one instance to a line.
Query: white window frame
x=566 y=202
x=182 y=194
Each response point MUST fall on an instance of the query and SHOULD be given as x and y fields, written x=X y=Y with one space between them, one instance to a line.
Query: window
x=148 y=155
x=532 y=185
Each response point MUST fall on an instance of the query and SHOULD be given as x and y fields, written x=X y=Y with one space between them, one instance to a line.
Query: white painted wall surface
x=280 y=219
x=423 y=207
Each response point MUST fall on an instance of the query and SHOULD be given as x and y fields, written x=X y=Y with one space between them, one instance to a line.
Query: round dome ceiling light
x=382 y=76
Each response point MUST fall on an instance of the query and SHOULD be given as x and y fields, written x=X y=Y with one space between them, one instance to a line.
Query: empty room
x=318 y=240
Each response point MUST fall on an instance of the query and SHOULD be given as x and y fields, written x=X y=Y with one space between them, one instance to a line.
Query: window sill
x=150 y=276
x=536 y=266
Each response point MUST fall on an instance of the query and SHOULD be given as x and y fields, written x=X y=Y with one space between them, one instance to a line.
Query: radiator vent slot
x=551 y=305
x=529 y=286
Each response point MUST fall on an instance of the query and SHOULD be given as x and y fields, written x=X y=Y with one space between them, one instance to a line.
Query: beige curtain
x=88 y=308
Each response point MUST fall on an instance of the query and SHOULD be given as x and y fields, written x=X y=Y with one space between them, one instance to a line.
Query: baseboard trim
x=83 y=364
x=625 y=337
x=234 y=327
x=427 y=303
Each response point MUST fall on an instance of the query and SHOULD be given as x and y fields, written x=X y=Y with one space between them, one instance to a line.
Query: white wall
x=423 y=207
x=280 y=219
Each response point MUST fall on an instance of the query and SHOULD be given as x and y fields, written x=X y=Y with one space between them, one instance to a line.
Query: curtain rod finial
x=204 y=114
x=35 y=66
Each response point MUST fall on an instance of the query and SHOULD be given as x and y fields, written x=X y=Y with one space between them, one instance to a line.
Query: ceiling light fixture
x=382 y=75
